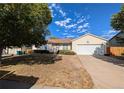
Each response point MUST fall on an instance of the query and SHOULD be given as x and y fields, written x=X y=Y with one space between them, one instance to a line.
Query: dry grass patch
x=65 y=73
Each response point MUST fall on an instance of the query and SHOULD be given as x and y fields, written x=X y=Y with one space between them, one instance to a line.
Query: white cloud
x=85 y=25
x=57 y=30
x=66 y=23
x=109 y=34
x=53 y=5
x=74 y=31
x=70 y=36
x=68 y=19
x=67 y=35
x=65 y=30
x=79 y=24
x=82 y=31
x=62 y=12
x=80 y=27
x=81 y=20
x=64 y=34
x=70 y=26
x=58 y=9
x=52 y=13
x=60 y=23
x=63 y=22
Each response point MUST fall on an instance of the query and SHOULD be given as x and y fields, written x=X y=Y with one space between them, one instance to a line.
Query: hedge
x=66 y=52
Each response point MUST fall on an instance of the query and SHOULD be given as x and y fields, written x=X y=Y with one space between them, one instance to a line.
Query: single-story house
x=60 y=44
x=53 y=45
x=116 y=45
x=87 y=44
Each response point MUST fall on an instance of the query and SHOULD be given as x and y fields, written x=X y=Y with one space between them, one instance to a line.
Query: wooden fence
x=115 y=51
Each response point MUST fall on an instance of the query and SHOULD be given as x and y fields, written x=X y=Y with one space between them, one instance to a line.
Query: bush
x=66 y=52
x=42 y=51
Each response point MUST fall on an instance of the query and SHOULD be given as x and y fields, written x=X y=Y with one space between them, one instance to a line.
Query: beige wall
x=87 y=39
x=34 y=47
x=62 y=47
x=59 y=46
x=14 y=50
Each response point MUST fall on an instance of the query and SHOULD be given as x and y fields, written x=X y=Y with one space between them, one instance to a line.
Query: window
x=65 y=47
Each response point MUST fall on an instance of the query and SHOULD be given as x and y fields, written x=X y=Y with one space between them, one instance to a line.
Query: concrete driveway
x=106 y=72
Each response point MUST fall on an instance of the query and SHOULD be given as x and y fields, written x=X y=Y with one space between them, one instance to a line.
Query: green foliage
x=66 y=52
x=117 y=22
x=23 y=24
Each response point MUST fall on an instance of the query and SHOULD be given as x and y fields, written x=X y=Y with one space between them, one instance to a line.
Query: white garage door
x=90 y=49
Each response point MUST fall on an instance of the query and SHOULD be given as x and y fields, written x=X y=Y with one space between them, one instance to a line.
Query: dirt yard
x=64 y=71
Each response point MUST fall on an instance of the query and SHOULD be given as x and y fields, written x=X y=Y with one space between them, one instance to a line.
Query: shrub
x=42 y=51
x=66 y=52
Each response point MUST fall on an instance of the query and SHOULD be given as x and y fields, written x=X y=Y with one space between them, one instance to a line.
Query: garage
x=89 y=44
x=90 y=49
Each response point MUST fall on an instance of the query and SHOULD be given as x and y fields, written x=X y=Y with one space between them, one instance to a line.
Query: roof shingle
x=60 y=41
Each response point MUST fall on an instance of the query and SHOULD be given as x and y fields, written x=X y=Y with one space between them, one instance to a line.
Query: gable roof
x=60 y=41
x=90 y=35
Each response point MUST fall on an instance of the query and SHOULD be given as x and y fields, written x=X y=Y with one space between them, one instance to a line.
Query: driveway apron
x=105 y=74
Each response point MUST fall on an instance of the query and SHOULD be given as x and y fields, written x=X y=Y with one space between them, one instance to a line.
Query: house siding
x=11 y=51
x=55 y=47
x=61 y=46
x=113 y=42
x=88 y=39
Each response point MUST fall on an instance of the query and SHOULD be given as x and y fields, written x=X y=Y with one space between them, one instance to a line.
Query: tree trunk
x=1 y=50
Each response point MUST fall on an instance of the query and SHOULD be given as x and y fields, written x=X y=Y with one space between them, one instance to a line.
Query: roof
x=115 y=36
x=60 y=41
x=90 y=35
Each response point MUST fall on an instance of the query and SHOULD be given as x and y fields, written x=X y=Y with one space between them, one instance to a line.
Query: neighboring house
x=116 y=47
x=114 y=42
x=13 y=50
x=55 y=44
x=59 y=44
x=89 y=44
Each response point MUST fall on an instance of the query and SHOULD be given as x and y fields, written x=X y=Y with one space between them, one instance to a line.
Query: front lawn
x=64 y=71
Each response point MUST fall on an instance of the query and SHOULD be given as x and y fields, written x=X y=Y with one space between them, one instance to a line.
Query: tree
x=23 y=24
x=53 y=37
x=117 y=22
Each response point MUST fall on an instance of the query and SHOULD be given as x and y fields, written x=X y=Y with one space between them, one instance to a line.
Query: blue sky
x=74 y=20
